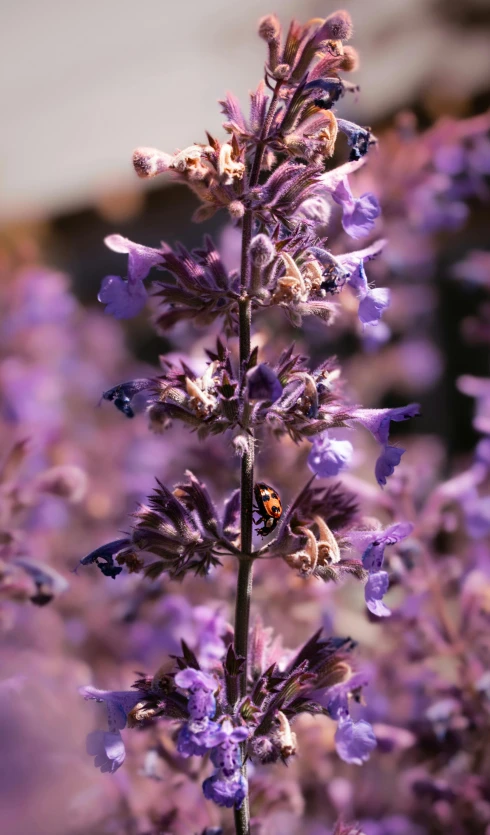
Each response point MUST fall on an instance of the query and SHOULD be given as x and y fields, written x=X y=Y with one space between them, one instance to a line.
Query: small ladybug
x=268 y=507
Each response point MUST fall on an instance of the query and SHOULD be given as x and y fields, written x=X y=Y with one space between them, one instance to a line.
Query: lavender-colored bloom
x=336 y=698
x=226 y=791
x=329 y=456
x=374 y=591
x=119 y=703
x=264 y=384
x=124 y=299
x=476 y=511
x=378 y=420
x=378 y=423
x=354 y=741
x=385 y=464
x=373 y=543
x=197 y=737
x=358 y=214
x=372 y=306
x=226 y=756
x=108 y=750
x=199 y=734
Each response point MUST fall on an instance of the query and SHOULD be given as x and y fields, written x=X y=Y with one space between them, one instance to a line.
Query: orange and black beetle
x=268 y=506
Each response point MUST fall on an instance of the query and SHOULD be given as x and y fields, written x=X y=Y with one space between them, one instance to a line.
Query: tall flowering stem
x=273 y=175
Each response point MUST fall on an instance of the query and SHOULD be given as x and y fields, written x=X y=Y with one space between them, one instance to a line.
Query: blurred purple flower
x=108 y=750
x=358 y=214
x=354 y=741
x=329 y=456
x=225 y=791
x=377 y=421
x=373 y=304
x=119 y=703
x=374 y=591
x=385 y=464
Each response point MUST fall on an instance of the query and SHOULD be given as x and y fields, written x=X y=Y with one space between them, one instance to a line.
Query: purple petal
x=372 y=306
x=195 y=678
x=358 y=221
x=354 y=741
x=374 y=591
x=329 y=456
x=225 y=791
x=386 y=463
x=377 y=421
x=122 y=299
x=119 y=703
x=108 y=750
x=140 y=258
x=264 y=384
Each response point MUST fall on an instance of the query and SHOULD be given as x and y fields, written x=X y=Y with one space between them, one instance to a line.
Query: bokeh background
x=81 y=85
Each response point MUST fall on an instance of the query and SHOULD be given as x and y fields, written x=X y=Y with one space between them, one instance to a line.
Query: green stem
x=246 y=560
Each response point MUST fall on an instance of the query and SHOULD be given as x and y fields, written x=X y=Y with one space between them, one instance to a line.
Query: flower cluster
x=316 y=679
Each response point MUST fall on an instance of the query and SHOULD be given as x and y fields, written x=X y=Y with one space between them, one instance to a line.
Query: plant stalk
x=246 y=560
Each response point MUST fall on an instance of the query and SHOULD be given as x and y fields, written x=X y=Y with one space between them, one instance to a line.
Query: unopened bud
x=281 y=72
x=236 y=209
x=338 y=26
x=148 y=162
x=350 y=60
x=261 y=250
x=269 y=28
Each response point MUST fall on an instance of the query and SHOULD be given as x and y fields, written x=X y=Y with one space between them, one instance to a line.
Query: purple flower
x=336 y=698
x=108 y=750
x=358 y=214
x=264 y=384
x=374 y=591
x=119 y=703
x=373 y=304
x=385 y=465
x=226 y=756
x=378 y=423
x=354 y=741
x=124 y=299
x=202 y=686
x=378 y=420
x=329 y=456
x=197 y=736
x=226 y=791
x=476 y=511
x=373 y=543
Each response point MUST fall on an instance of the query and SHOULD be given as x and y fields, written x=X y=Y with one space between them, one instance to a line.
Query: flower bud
x=281 y=72
x=261 y=250
x=269 y=28
x=236 y=209
x=148 y=162
x=350 y=60
x=338 y=25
